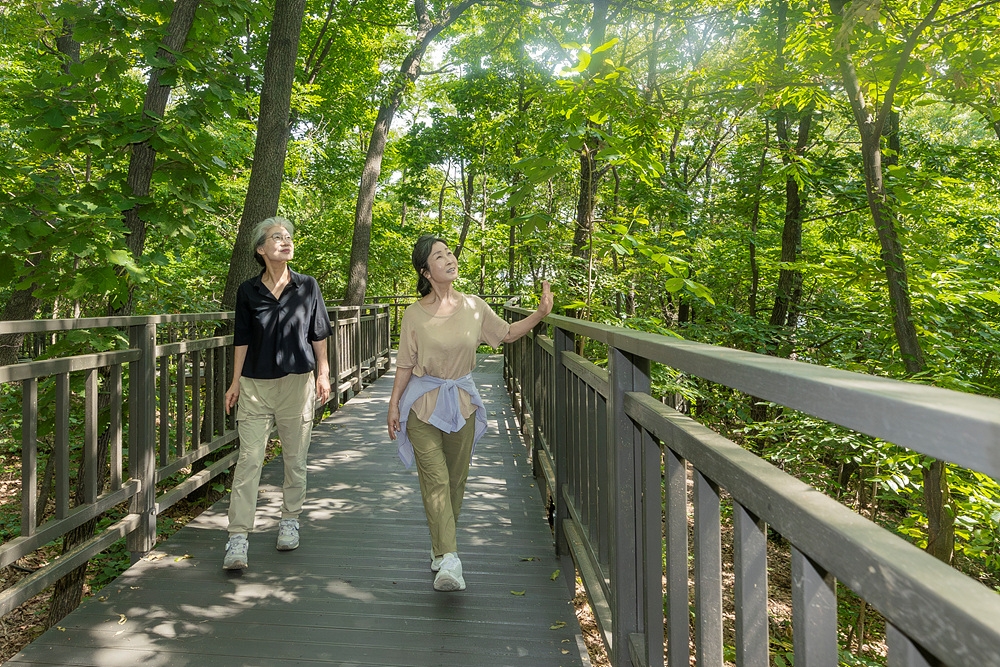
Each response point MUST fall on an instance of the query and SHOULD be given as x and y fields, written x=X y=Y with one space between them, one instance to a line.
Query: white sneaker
x=236 y=553
x=449 y=577
x=436 y=562
x=288 y=534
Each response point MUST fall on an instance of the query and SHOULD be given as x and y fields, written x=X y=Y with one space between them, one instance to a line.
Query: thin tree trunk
x=357 y=278
x=937 y=503
x=270 y=148
x=143 y=157
x=22 y=305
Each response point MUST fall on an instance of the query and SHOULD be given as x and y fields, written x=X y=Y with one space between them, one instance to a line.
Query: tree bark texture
x=409 y=70
x=790 y=280
x=141 y=162
x=937 y=503
x=270 y=147
x=22 y=305
x=590 y=172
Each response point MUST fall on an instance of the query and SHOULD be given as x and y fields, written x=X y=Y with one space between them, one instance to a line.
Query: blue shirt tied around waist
x=447 y=414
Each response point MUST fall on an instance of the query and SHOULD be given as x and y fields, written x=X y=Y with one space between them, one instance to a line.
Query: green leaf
x=54 y=118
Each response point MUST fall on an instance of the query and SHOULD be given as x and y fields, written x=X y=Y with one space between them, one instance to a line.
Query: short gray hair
x=260 y=233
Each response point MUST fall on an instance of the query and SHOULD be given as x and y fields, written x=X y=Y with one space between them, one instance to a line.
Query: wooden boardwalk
x=358 y=591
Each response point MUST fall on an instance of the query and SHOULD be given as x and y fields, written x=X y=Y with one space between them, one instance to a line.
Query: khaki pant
x=443 y=468
x=288 y=402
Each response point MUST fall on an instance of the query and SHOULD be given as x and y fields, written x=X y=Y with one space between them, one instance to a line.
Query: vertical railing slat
x=195 y=399
x=29 y=455
x=708 y=572
x=626 y=373
x=750 y=594
x=603 y=477
x=115 y=426
x=678 y=610
x=652 y=557
x=904 y=652
x=90 y=437
x=562 y=342
x=61 y=451
x=814 y=613
x=164 y=411
x=180 y=420
x=334 y=354
x=142 y=437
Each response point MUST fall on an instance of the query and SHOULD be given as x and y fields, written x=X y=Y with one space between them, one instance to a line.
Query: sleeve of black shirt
x=320 y=328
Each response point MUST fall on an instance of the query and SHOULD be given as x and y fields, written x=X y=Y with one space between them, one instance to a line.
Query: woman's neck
x=275 y=273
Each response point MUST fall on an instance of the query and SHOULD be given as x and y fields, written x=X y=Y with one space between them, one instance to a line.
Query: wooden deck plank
x=358 y=591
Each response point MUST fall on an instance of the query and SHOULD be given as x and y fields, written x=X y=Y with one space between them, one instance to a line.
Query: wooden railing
x=176 y=370
x=617 y=464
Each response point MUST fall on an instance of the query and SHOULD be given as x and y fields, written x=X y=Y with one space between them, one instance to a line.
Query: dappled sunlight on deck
x=358 y=591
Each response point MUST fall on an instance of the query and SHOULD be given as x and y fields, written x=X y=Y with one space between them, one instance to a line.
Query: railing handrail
x=608 y=473
x=942 y=423
x=71 y=324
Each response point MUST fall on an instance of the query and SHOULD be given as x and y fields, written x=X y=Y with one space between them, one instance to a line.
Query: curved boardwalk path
x=358 y=591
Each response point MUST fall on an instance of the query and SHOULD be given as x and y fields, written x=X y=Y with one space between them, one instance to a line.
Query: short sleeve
x=494 y=328
x=406 y=357
x=320 y=327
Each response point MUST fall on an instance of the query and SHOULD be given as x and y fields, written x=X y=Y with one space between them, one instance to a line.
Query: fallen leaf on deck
x=517 y=592
x=528 y=558
x=555 y=575
x=122 y=619
x=557 y=625
x=184 y=557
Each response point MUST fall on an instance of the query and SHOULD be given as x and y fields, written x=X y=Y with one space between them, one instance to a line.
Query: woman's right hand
x=232 y=395
x=392 y=420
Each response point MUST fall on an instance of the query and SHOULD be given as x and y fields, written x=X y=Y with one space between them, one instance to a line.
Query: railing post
x=142 y=437
x=562 y=342
x=626 y=373
x=358 y=346
x=333 y=351
x=538 y=407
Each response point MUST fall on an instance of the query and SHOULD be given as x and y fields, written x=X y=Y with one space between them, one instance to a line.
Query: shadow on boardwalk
x=358 y=591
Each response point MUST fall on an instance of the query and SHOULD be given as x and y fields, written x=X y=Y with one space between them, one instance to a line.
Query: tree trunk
x=264 y=189
x=141 y=162
x=590 y=173
x=789 y=280
x=21 y=305
x=937 y=504
x=357 y=278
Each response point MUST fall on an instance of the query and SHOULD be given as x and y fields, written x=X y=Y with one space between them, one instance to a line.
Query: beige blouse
x=445 y=347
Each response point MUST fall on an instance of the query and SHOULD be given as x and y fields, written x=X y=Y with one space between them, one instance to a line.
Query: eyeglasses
x=281 y=238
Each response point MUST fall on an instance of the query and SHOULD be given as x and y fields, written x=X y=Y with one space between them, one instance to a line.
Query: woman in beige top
x=435 y=408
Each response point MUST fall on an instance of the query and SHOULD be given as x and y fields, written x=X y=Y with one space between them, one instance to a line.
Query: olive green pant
x=443 y=468
x=287 y=402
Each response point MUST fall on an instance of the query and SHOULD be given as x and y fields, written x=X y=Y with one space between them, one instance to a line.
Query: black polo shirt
x=279 y=332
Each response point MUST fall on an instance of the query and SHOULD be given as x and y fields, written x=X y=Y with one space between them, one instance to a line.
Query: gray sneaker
x=449 y=577
x=236 y=553
x=288 y=534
